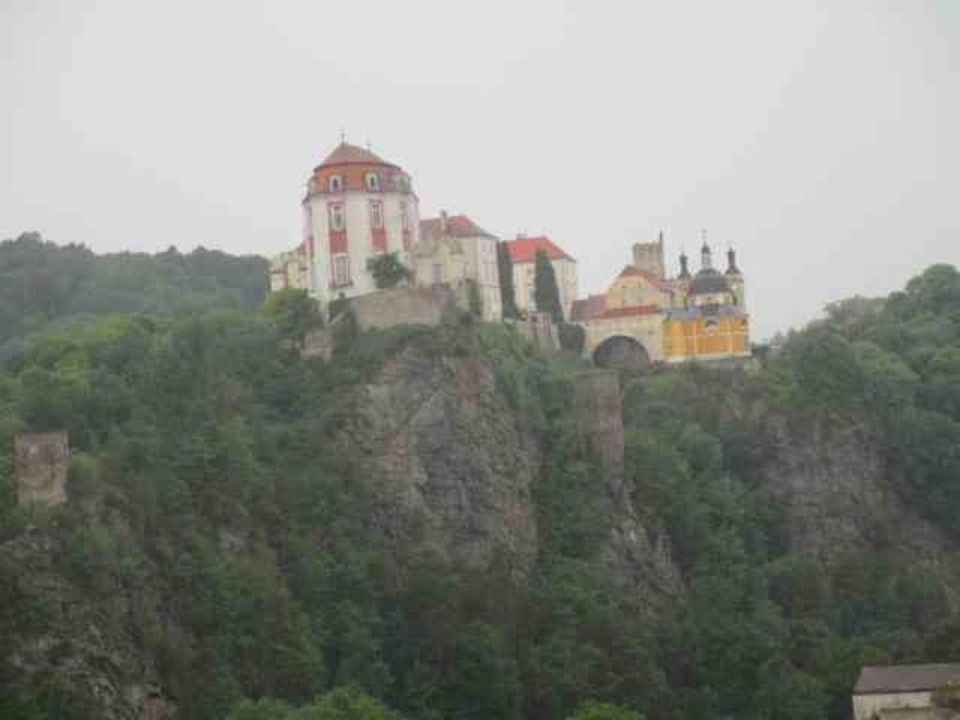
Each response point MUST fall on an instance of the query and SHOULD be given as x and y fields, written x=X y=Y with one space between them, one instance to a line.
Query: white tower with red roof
x=357 y=206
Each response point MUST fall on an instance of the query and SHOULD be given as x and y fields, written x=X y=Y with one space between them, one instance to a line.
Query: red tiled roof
x=525 y=249
x=589 y=308
x=345 y=154
x=631 y=310
x=457 y=226
x=633 y=271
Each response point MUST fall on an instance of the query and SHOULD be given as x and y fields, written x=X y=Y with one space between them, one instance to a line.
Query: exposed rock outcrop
x=833 y=482
x=451 y=468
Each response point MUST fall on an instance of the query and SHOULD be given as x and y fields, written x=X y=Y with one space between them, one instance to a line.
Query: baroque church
x=645 y=316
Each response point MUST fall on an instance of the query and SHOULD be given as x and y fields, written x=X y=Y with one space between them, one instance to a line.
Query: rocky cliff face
x=451 y=468
x=832 y=479
x=86 y=649
x=447 y=464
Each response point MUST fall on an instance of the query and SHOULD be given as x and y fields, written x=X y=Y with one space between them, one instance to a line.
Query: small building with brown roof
x=454 y=251
x=904 y=691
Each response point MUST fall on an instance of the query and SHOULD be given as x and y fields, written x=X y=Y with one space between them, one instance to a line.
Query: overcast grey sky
x=820 y=139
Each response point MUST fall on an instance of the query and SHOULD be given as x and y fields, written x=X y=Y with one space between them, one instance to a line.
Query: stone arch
x=621 y=352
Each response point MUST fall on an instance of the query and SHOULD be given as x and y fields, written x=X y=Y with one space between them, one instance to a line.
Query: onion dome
x=708 y=281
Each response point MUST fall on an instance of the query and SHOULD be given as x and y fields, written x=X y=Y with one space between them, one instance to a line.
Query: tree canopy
x=209 y=485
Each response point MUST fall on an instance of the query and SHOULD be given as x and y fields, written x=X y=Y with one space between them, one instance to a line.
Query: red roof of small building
x=594 y=307
x=634 y=271
x=346 y=154
x=457 y=226
x=631 y=310
x=591 y=307
x=525 y=249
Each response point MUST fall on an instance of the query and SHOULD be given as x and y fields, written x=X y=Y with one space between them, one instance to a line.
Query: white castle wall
x=359 y=238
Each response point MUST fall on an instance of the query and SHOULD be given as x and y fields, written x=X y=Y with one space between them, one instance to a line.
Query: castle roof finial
x=343 y=135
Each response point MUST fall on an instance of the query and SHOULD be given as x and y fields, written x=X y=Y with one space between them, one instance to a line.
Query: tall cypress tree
x=508 y=298
x=546 y=295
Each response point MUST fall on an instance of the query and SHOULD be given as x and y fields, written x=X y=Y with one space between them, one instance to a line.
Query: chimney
x=443 y=221
x=521 y=236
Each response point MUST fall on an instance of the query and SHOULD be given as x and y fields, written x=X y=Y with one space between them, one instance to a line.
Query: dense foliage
x=40 y=281
x=206 y=487
x=572 y=337
x=388 y=271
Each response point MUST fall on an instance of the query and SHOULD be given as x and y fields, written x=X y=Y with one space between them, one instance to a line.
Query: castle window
x=335 y=183
x=373 y=181
x=337 y=218
x=341 y=270
x=404 y=218
x=376 y=215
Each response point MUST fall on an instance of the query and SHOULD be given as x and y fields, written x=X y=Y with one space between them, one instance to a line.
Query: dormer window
x=335 y=183
x=372 y=181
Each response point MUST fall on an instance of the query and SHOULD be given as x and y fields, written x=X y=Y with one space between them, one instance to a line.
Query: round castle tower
x=357 y=206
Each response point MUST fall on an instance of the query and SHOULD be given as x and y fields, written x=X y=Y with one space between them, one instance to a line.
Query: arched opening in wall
x=621 y=353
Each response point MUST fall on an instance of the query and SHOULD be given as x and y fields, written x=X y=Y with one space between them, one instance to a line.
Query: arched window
x=335 y=183
x=372 y=181
x=337 y=217
x=376 y=215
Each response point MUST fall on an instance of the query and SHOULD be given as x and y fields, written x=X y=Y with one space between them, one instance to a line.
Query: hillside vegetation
x=238 y=542
x=40 y=282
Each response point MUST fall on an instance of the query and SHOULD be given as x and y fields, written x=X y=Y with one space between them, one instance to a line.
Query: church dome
x=352 y=168
x=708 y=281
x=346 y=154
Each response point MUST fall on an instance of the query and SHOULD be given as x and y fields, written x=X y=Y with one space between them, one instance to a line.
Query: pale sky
x=820 y=139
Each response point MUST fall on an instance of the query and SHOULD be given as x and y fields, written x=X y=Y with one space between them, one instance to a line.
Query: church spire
x=732 y=268
x=706 y=258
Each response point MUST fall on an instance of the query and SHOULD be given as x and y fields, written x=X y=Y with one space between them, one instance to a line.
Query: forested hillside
x=40 y=282
x=411 y=530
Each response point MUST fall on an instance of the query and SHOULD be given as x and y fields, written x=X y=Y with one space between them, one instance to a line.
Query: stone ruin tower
x=41 y=464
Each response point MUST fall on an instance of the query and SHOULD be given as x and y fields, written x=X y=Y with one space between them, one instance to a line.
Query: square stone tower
x=41 y=464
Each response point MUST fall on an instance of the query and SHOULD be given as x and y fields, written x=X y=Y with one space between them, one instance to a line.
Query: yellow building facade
x=646 y=317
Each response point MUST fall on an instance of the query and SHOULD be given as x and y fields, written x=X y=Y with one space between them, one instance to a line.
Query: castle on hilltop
x=358 y=207
x=646 y=316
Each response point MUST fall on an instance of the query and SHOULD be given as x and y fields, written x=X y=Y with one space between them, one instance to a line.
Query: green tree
x=546 y=295
x=482 y=683
x=592 y=710
x=572 y=337
x=387 y=270
x=339 y=704
x=294 y=313
x=508 y=298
